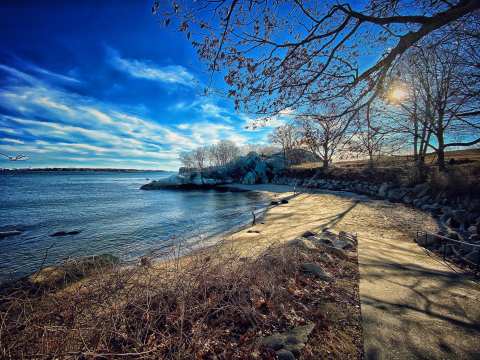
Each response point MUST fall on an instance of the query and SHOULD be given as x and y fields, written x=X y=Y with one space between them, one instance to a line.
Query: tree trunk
x=441 y=143
x=415 y=134
x=325 y=155
x=325 y=164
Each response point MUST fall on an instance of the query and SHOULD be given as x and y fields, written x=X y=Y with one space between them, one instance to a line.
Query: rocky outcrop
x=250 y=169
x=7 y=233
x=65 y=233
x=190 y=181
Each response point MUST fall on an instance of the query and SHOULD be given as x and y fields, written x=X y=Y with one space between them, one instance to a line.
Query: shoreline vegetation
x=271 y=289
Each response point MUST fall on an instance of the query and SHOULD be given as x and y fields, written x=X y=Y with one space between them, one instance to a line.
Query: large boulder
x=396 y=194
x=382 y=190
x=421 y=190
x=186 y=181
x=250 y=178
x=261 y=171
x=316 y=271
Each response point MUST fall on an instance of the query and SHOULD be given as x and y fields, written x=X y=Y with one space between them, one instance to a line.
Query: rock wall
x=460 y=217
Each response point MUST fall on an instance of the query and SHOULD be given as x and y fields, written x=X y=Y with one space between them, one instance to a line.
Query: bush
x=455 y=182
x=207 y=305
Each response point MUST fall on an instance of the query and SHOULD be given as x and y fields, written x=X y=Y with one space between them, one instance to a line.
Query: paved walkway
x=413 y=305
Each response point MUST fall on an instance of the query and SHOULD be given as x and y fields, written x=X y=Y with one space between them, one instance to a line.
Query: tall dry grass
x=211 y=304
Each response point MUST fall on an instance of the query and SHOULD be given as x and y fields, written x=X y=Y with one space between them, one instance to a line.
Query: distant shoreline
x=28 y=170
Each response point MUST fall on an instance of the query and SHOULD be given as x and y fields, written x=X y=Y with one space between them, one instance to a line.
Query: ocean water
x=111 y=213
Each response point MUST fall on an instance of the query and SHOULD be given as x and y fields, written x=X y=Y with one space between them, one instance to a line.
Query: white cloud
x=13 y=141
x=280 y=119
x=83 y=127
x=171 y=74
x=9 y=131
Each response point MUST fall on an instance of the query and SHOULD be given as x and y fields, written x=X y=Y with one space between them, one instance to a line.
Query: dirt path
x=413 y=305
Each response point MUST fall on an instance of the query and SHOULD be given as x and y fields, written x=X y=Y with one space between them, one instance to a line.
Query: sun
x=397 y=94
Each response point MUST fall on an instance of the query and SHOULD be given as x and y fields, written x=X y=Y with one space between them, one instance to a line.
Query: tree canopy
x=293 y=53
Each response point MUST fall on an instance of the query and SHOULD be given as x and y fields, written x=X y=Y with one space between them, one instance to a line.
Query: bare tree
x=441 y=105
x=290 y=54
x=323 y=136
x=186 y=158
x=200 y=157
x=287 y=137
x=372 y=135
x=195 y=159
x=222 y=153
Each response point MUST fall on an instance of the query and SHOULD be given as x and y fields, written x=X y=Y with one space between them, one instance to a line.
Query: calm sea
x=111 y=213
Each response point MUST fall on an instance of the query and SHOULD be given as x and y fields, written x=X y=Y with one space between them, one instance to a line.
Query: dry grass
x=211 y=304
x=460 y=179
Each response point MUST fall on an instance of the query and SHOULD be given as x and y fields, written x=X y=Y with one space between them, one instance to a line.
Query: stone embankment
x=459 y=218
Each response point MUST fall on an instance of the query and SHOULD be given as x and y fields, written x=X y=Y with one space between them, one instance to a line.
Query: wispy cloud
x=269 y=122
x=143 y=69
x=57 y=122
x=45 y=121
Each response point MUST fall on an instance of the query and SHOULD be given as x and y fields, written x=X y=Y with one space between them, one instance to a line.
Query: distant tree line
x=220 y=154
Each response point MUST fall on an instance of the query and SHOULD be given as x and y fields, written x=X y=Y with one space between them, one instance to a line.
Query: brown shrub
x=458 y=181
x=196 y=307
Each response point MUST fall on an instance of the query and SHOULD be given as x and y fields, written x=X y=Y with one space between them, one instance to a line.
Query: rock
x=308 y=234
x=274 y=202
x=419 y=202
x=427 y=240
x=451 y=222
x=4 y=234
x=316 y=271
x=446 y=249
x=284 y=201
x=298 y=337
x=453 y=235
x=65 y=233
x=396 y=194
x=474 y=238
x=261 y=172
x=382 y=191
x=250 y=178
x=292 y=341
x=186 y=181
x=473 y=256
x=343 y=244
x=303 y=244
x=274 y=342
x=285 y=355
x=421 y=190
x=407 y=199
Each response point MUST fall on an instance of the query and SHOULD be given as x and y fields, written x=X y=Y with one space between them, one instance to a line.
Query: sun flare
x=397 y=94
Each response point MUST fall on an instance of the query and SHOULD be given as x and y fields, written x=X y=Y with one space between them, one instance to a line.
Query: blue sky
x=103 y=84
